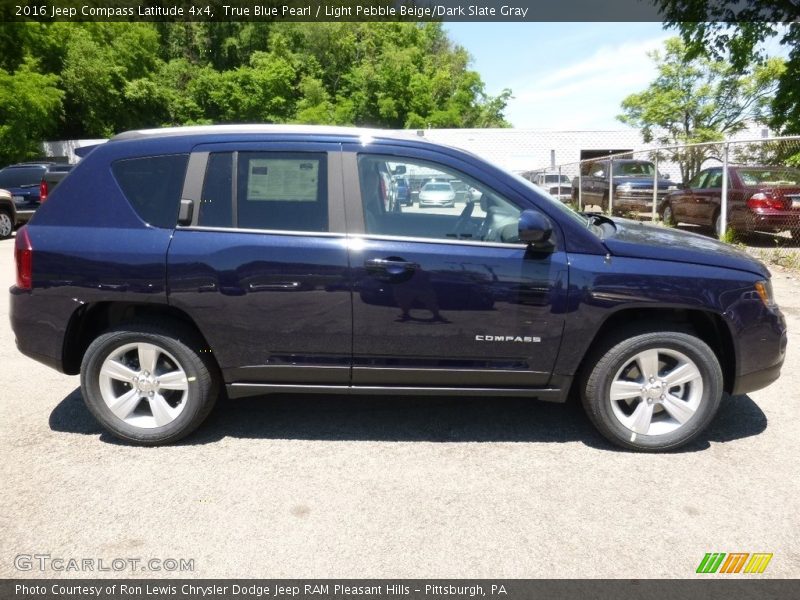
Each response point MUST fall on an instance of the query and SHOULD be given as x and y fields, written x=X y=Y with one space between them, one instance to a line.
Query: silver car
x=437 y=193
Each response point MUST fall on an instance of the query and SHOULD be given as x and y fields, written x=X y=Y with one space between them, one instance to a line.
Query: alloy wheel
x=6 y=226
x=656 y=392
x=143 y=385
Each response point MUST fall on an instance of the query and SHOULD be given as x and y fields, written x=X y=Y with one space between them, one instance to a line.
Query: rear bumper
x=24 y=215
x=36 y=336
x=772 y=221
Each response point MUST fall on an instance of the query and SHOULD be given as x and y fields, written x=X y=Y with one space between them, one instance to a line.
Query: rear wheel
x=148 y=384
x=6 y=224
x=796 y=235
x=652 y=391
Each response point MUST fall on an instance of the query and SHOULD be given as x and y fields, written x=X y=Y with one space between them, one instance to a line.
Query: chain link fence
x=734 y=188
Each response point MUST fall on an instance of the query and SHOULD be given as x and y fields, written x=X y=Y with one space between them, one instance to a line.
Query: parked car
x=24 y=181
x=760 y=198
x=633 y=185
x=175 y=264
x=8 y=214
x=437 y=193
x=558 y=186
x=402 y=191
x=51 y=178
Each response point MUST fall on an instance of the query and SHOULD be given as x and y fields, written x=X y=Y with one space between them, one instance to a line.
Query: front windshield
x=555 y=179
x=556 y=203
x=634 y=168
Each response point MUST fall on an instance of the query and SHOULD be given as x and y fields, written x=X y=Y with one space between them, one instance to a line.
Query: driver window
x=420 y=199
x=697 y=180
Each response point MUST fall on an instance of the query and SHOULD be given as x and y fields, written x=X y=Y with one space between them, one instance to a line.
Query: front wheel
x=652 y=391
x=668 y=217
x=148 y=384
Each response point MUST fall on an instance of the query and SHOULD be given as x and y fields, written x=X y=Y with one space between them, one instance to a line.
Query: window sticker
x=282 y=180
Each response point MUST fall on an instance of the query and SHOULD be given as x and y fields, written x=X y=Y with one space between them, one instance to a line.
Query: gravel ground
x=337 y=487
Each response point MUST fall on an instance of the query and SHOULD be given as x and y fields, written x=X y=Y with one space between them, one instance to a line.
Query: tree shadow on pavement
x=410 y=419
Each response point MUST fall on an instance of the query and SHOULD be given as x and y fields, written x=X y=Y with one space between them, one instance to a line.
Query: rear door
x=446 y=296
x=262 y=265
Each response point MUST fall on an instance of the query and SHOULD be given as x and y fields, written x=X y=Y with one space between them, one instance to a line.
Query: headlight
x=764 y=290
x=625 y=187
x=672 y=188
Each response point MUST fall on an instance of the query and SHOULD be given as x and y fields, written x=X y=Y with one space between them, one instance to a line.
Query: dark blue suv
x=176 y=265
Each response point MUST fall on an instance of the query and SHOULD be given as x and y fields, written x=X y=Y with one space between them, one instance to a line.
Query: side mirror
x=399 y=170
x=534 y=228
x=664 y=175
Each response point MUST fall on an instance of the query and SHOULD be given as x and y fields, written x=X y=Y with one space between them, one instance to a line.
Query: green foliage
x=699 y=99
x=30 y=106
x=735 y=31
x=97 y=79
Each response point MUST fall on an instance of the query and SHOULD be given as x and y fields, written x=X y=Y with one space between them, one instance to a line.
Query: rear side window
x=153 y=186
x=216 y=200
x=281 y=191
x=19 y=176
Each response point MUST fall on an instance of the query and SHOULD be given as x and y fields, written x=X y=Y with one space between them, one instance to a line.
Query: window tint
x=216 y=200
x=282 y=191
x=19 y=176
x=714 y=179
x=443 y=203
x=153 y=186
x=697 y=180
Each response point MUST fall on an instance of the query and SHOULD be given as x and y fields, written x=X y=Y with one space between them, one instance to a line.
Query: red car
x=759 y=199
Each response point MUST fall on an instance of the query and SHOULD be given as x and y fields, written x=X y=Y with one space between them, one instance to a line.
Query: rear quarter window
x=153 y=186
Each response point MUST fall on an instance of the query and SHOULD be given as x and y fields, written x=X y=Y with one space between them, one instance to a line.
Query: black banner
x=392 y=10
x=714 y=588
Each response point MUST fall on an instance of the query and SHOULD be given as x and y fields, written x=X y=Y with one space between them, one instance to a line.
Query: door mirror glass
x=534 y=228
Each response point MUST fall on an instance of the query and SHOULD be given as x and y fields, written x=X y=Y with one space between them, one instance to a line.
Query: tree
x=735 y=31
x=97 y=79
x=30 y=107
x=699 y=99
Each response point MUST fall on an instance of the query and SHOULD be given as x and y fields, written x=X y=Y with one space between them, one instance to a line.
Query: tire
x=647 y=417
x=718 y=224
x=6 y=224
x=153 y=414
x=668 y=216
x=796 y=235
x=604 y=202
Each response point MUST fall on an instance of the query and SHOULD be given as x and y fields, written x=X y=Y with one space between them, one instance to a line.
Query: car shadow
x=410 y=419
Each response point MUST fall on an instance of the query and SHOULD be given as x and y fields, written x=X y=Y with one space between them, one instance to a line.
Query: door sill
x=243 y=390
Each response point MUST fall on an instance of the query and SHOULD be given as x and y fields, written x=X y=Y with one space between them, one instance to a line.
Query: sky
x=563 y=76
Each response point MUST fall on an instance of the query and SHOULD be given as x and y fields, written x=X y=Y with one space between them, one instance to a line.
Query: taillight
x=23 y=255
x=765 y=200
x=42 y=190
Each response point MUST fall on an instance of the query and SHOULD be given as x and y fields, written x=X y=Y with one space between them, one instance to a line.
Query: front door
x=446 y=296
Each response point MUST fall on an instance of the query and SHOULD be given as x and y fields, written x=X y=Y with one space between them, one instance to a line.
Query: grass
x=783 y=257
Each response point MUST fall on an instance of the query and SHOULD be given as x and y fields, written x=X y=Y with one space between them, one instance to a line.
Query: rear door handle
x=392 y=266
